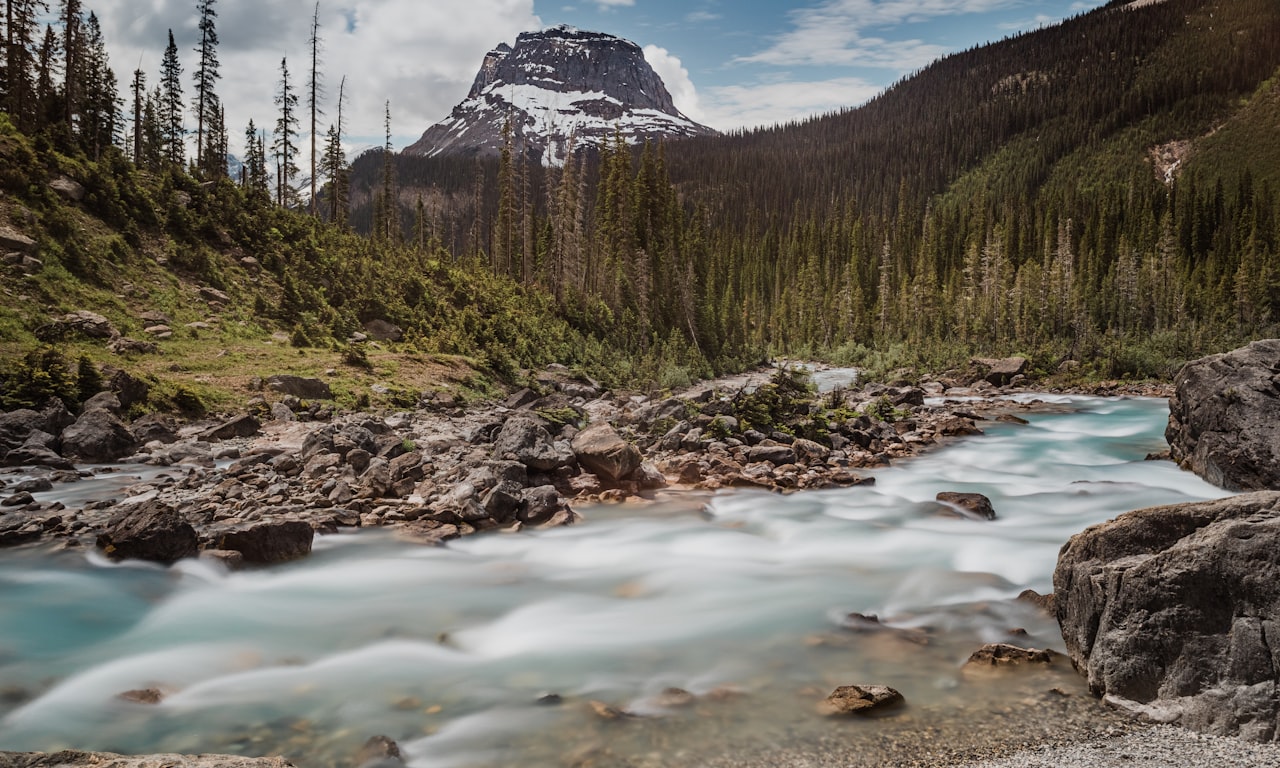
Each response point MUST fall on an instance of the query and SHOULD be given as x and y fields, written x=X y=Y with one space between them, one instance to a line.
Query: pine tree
x=206 y=76
x=285 y=145
x=172 y=130
x=255 y=164
x=100 y=108
x=139 y=89
x=387 y=224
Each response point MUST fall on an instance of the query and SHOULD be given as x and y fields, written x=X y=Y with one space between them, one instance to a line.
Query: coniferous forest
x=1102 y=196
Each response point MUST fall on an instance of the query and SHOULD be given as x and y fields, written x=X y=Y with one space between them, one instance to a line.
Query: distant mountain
x=558 y=87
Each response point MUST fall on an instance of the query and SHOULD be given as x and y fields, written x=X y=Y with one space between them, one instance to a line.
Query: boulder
x=243 y=425
x=525 y=440
x=299 y=386
x=771 y=452
x=16 y=426
x=82 y=322
x=1224 y=418
x=379 y=751
x=1000 y=372
x=1174 y=612
x=381 y=330
x=538 y=505
x=13 y=240
x=214 y=296
x=124 y=345
x=69 y=188
x=602 y=451
x=98 y=436
x=150 y=530
x=266 y=543
x=972 y=506
x=860 y=699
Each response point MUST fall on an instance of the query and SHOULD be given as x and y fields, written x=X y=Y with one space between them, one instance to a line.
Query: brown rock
x=860 y=699
x=1003 y=655
x=973 y=506
x=600 y=449
x=142 y=696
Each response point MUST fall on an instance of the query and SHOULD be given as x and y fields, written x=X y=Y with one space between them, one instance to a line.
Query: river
x=489 y=651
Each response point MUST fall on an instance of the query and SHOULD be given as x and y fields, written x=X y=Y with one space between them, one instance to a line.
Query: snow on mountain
x=560 y=87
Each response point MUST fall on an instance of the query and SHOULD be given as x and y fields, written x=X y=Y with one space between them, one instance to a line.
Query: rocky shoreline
x=255 y=487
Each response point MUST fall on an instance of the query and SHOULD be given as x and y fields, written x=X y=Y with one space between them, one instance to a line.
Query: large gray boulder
x=1224 y=418
x=525 y=440
x=299 y=386
x=1174 y=612
x=98 y=436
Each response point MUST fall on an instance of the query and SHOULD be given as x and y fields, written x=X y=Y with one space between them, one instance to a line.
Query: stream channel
x=491 y=650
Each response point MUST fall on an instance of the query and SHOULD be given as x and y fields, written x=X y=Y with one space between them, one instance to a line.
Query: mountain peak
x=559 y=87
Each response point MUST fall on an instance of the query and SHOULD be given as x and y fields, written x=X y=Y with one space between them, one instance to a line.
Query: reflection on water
x=453 y=651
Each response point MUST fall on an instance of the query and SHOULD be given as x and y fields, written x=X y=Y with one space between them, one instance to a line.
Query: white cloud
x=766 y=104
x=420 y=56
x=676 y=78
x=700 y=16
x=613 y=3
x=834 y=33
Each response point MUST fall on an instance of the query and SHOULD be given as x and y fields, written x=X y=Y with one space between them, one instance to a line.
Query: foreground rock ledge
x=1224 y=418
x=76 y=759
x=1174 y=612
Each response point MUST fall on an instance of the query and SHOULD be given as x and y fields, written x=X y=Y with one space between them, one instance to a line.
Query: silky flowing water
x=489 y=651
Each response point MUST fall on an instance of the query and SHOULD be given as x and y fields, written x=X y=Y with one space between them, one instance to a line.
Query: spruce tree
x=170 y=105
x=206 y=76
x=285 y=145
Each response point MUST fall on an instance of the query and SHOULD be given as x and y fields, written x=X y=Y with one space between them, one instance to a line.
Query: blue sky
x=727 y=63
x=756 y=63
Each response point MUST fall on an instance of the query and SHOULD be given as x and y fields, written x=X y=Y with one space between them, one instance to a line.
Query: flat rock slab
x=1174 y=612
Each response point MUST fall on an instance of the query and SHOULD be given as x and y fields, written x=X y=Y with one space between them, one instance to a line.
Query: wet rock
x=17 y=500
x=673 y=698
x=539 y=505
x=860 y=699
x=379 y=751
x=298 y=386
x=1222 y=417
x=150 y=530
x=227 y=558
x=1004 y=656
x=34 y=485
x=244 y=425
x=973 y=506
x=601 y=450
x=1043 y=602
x=142 y=696
x=267 y=543
x=98 y=436
x=1172 y=612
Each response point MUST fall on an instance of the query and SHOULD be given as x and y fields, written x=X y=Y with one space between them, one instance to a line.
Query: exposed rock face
x=149 y=531
x=1175 y=612
x=556 y=84
x=1224 y=417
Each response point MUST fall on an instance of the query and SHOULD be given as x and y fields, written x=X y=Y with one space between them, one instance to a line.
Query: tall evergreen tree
x=170 y=105
x=22 y=21
x=139 y=87
x=285 y=145
x=334 y=165
x=255 y=164
x=100 y=106
x=72 y=65
x=206 y=77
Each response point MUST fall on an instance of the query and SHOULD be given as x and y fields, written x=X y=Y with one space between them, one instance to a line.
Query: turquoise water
x=736 y=598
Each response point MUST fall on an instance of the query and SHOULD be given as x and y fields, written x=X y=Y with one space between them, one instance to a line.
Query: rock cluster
x=1174 y=612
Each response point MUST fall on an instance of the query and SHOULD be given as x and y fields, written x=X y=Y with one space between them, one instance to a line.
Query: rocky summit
x=560 y=88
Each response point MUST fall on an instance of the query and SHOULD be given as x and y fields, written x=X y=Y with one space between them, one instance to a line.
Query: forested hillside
x=1103 y=190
